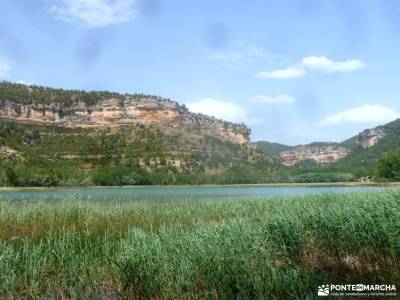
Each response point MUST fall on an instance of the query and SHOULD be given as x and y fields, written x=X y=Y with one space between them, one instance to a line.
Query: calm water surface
x=176 y=193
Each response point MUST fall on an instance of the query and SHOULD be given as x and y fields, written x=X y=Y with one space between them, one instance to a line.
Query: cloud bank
x=323 y=64
x=24 y=82
x=228 y=111
x=288 y=73
x=362 y=114
x=309 y=64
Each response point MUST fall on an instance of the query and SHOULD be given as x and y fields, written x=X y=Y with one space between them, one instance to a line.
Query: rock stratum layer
x=321 y=154
x=122 y=111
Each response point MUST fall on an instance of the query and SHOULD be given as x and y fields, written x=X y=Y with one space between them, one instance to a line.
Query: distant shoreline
x=289 y=185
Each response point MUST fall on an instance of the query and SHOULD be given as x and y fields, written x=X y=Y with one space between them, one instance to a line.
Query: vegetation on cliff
x=44 y=155
x=34 y=94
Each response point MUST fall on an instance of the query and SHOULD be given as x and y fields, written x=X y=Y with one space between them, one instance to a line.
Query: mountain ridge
x=72 y=108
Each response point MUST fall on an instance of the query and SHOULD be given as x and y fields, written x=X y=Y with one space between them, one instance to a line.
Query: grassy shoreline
x=316 y=184
x=249 y=248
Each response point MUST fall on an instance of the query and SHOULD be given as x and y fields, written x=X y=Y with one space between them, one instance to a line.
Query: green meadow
x=278 y=248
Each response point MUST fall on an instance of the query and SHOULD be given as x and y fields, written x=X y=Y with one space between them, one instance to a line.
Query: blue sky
x=294 y=71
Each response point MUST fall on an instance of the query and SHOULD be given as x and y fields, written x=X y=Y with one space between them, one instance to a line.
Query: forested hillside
x=43 y=155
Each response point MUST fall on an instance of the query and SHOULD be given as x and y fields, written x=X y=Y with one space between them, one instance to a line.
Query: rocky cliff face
x=370 y=137
x=321 y=154
x=129 y=110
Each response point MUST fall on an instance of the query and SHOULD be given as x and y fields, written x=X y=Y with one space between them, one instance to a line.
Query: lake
x=177 y=193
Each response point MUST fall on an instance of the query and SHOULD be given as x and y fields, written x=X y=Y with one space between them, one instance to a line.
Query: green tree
x=389 y=165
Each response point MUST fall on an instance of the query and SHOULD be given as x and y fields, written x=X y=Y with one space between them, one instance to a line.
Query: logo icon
x=323 y=290
x=359 y=287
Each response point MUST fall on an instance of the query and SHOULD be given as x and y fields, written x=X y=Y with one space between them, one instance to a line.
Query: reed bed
x=279 y=248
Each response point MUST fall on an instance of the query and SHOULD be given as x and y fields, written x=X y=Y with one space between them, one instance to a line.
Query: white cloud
x=228 y=111
x=288 y=73
x=24 y=82
x=308 y=64
x=222 y=110
x=362 y=114
x=323 y=64
x=281 y=99
x=94 y=13
x=5 y=66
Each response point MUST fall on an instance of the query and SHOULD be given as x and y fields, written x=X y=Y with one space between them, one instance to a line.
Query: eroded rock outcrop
x=129 y=110
x=321 y=154
x=370 y=137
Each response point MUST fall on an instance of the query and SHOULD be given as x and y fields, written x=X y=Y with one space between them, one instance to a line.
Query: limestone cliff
x=128 y=109
x=370 y=137
x=320 y=153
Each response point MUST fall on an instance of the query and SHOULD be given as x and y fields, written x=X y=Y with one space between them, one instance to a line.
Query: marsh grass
x=279 y=248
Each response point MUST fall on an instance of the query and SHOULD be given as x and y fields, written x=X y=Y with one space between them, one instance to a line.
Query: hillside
x=271 y=149
x=51 y=137
x=316 y=153
x=354 y=158
x=368 y=147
